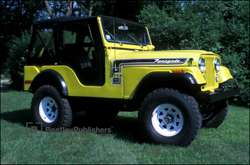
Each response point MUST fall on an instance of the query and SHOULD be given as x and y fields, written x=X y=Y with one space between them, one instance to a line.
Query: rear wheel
x=50 y=108
x=169 y=117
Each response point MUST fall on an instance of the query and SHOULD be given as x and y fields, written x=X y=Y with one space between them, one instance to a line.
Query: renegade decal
x=147 y=61
x=158 y=61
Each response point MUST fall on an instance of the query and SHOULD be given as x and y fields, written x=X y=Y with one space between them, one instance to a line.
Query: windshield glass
x=125 y=32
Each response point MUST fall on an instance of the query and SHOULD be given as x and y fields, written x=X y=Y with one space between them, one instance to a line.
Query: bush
x=221 y=27
x=17 y=55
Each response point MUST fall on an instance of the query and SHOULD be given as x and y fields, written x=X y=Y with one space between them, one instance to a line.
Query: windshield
x=125 y=32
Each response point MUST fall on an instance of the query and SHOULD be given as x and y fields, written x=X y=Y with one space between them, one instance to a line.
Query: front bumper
x=219 y=94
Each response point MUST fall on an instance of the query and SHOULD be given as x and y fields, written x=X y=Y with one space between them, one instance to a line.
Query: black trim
x=217 y=96
x=67 y=19
x=147 y=61
x=181 y=81
x=45 y=77
x=170 y=76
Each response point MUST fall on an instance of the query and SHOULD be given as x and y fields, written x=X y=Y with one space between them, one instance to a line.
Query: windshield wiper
x=113 y=37
x=135 y=40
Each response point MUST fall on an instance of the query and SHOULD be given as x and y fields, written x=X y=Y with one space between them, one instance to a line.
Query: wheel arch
x=49 y=77
x=179 y=81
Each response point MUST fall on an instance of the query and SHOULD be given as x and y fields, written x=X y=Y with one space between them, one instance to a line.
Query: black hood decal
x=117 y=64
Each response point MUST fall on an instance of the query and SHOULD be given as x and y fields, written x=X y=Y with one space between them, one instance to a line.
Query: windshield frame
x=121 y=42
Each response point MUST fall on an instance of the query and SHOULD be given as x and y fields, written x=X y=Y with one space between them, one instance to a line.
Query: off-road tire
x=218 y=119
x=46 y=101
x=186 y=110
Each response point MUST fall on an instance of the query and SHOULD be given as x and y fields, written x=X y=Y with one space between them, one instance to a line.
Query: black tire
x=50 y=108
x=215 y=120
x=184 y=113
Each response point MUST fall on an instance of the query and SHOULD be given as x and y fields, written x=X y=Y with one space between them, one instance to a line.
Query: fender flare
x=49 y=77
x=186 y=80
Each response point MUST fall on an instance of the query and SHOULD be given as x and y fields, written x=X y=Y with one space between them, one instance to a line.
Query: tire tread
x=192 y=103
x=67 y=112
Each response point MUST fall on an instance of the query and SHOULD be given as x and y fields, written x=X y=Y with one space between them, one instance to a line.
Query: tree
x=17 y=55
x=16 y=16
x=221 y=27
x=89 y=6
x=126 y=9
x=68 y=8
x=72 y=8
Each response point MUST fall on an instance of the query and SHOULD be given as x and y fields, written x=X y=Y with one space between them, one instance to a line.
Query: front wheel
x=169 y=117
x=50 y=109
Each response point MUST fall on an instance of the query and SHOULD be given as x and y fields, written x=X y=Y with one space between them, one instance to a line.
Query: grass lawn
x=227 y=144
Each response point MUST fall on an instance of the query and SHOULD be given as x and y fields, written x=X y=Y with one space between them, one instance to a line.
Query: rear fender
x=49 y=77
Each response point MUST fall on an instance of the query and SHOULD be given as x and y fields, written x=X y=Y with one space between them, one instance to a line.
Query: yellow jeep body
x=126 y=65
x=103 y=65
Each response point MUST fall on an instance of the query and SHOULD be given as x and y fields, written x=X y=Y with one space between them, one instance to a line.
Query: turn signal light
x=179 y=71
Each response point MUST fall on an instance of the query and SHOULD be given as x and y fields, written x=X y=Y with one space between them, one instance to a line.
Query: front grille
x=210 y=72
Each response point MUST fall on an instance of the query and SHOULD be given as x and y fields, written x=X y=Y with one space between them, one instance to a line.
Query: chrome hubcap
x=48 y=109
x=167 y=120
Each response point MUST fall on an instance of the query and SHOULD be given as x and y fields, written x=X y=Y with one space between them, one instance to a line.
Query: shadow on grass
x=6 y=88
x=17 y=116
x=124 y=128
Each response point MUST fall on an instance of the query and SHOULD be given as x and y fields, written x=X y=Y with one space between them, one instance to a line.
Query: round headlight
x=217 y=64
x=202 y=66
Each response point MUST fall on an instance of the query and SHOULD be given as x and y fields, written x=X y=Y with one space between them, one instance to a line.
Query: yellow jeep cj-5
x=103 y=65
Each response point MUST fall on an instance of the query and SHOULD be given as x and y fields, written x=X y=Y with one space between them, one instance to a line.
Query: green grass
x=227 y=144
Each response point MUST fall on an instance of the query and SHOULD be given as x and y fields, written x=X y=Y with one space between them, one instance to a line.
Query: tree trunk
x=48 y=9
x=92 y=4
x=69 y=8
x=91 y=8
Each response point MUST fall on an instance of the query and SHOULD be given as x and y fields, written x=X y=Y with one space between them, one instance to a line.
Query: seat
x=83 y=60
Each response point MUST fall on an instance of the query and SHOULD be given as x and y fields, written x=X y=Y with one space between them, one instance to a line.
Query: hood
x=153 y=58
x=167 y=57
x=170 y=57
x=164 y=54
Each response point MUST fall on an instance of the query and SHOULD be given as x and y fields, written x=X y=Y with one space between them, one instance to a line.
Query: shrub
x=221 y=27
x=17 y=55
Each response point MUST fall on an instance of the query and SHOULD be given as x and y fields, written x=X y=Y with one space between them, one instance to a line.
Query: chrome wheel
x=167 y=120
x=48 y=109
